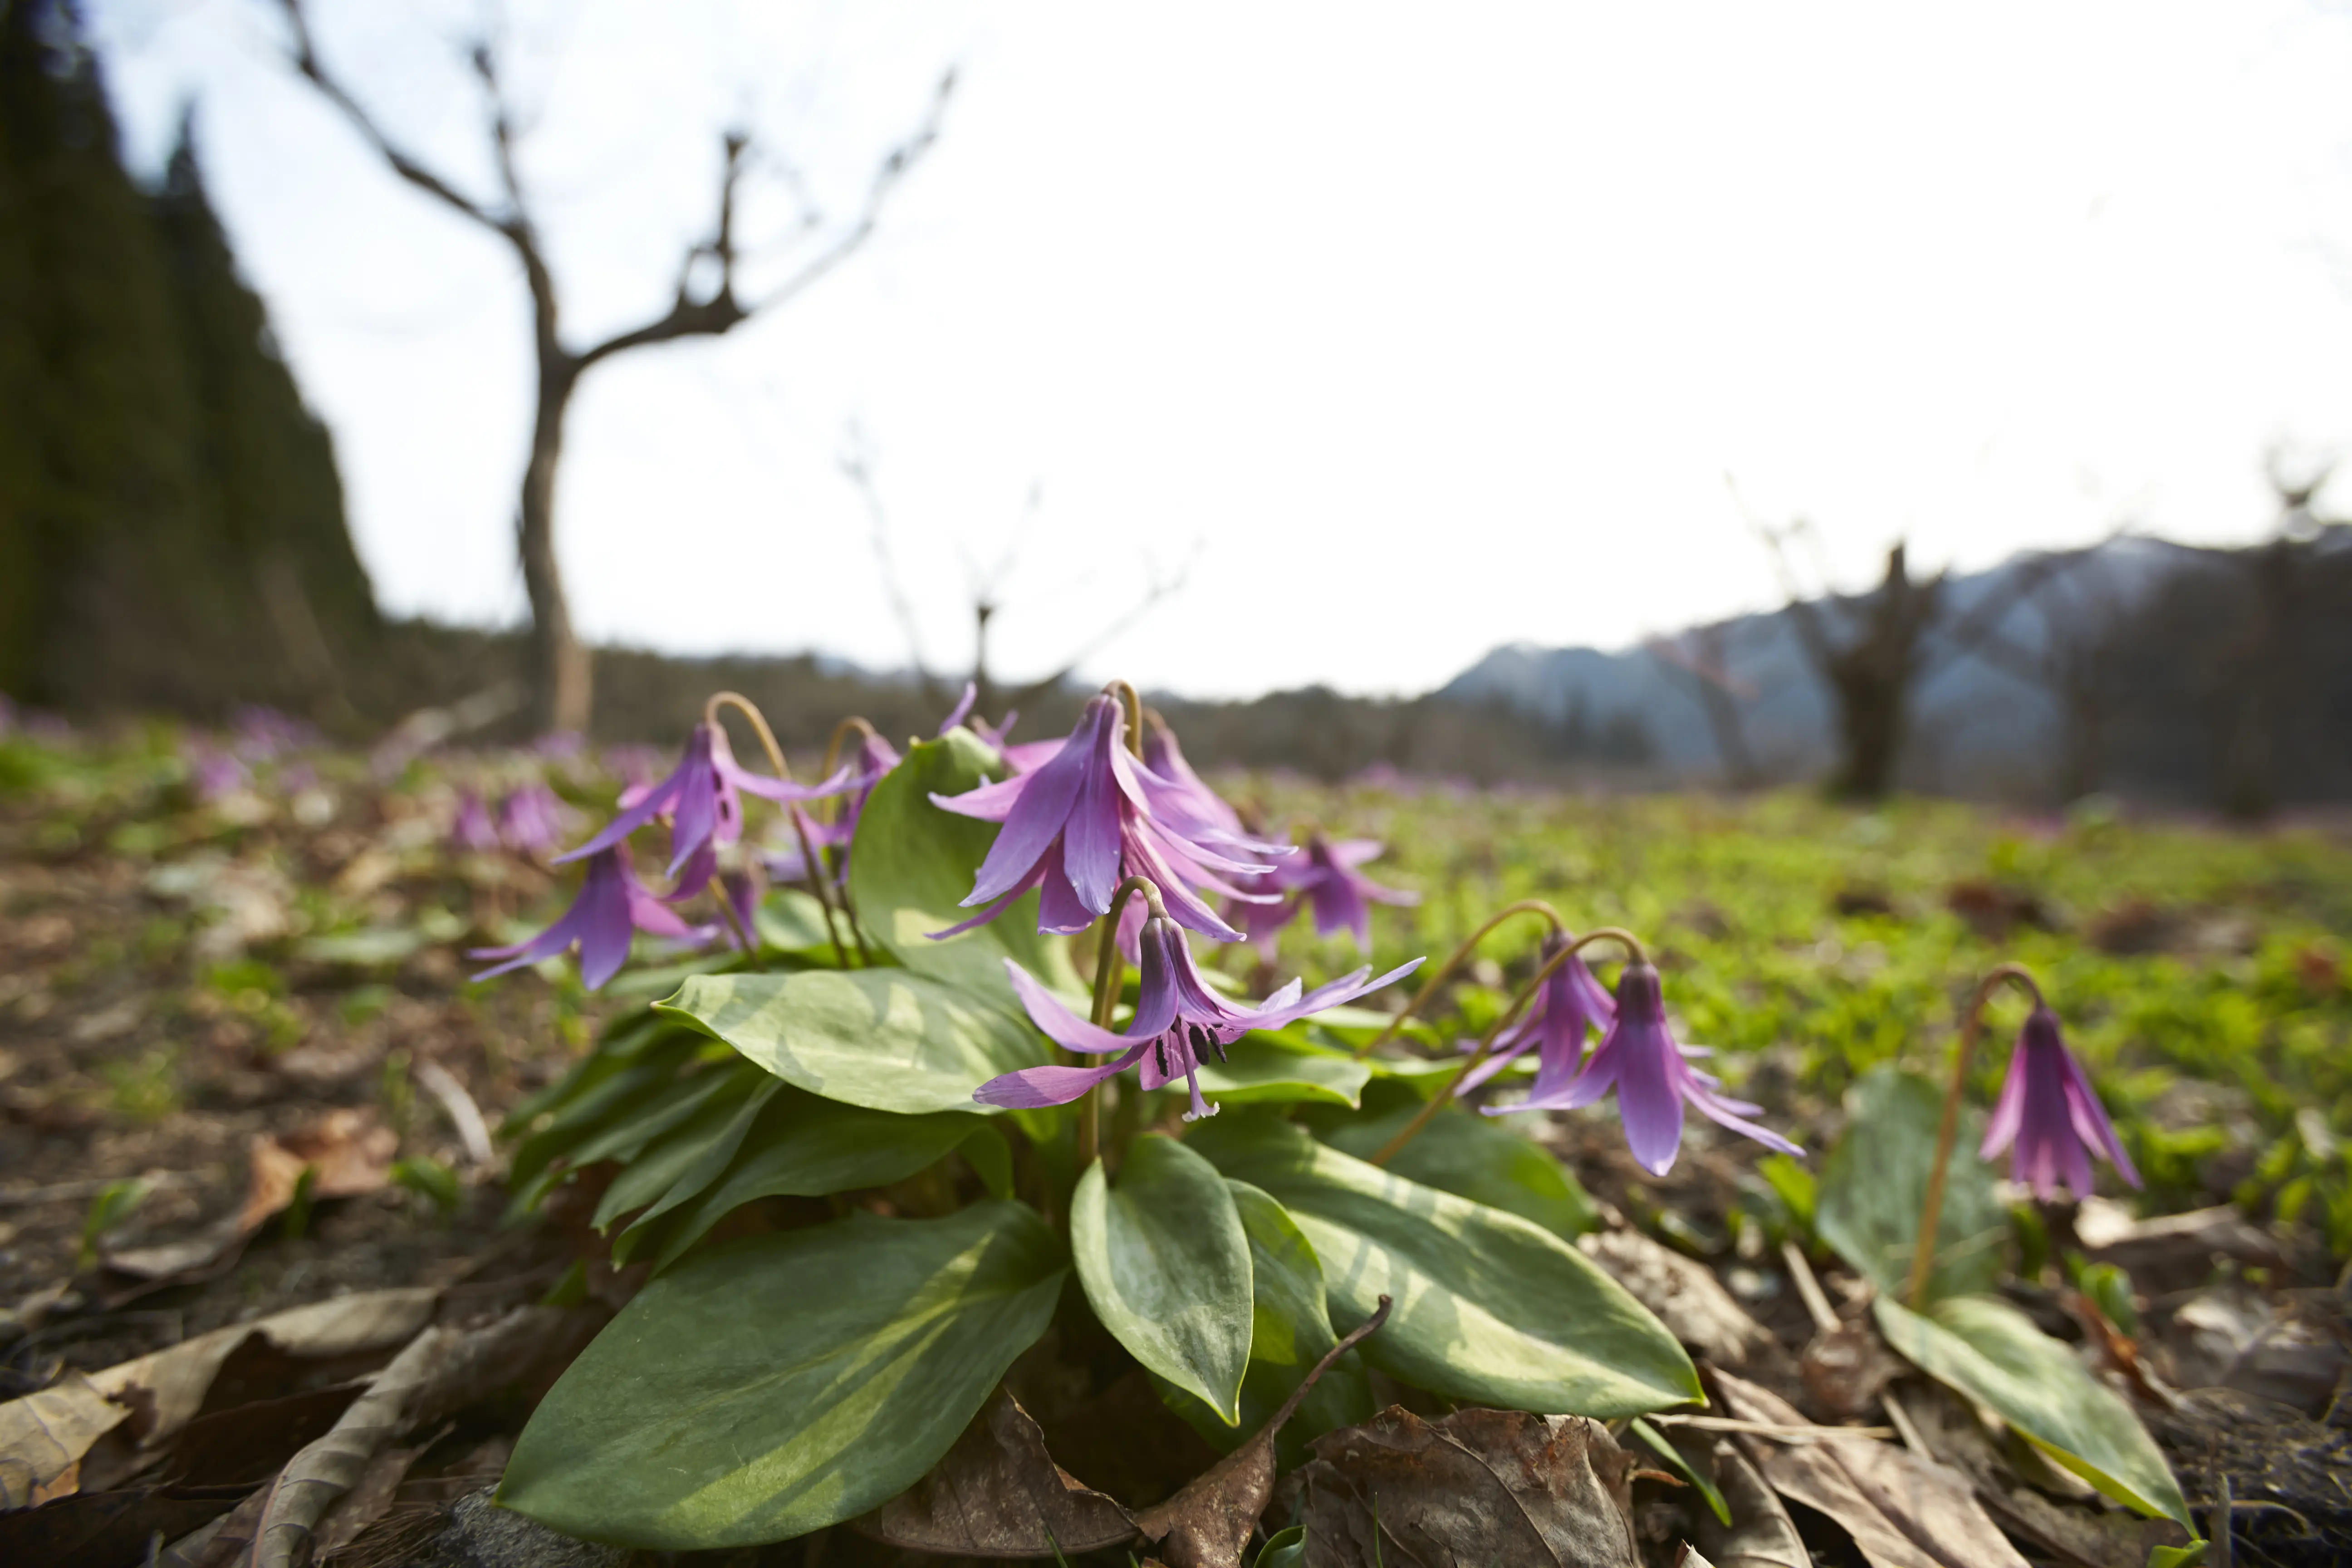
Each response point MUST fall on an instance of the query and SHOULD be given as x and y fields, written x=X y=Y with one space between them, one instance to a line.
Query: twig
x=1808 y=1289
x=464 y=1114
x=1784 y=1430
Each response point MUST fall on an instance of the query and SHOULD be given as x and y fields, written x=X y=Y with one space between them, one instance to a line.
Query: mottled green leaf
x=784 y=1382
x=1475 y=1157
x=1991 y=1352
x=892 y=1039
x=1489 y=1307
x=1263 y=1069
x=802 y=1146
x=1874 y=1183
x=1166 y=1266
x=1290 y=1331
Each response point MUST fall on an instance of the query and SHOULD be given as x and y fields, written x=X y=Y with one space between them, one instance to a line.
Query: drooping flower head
x=612 y=907
x=1570 y=1001
x=702 y=797
x=1340 y=896
x=2048 y=1117
x=530 y=820
x=1089 y=816
x=1178 y=1022
x=1638 y=1058
x=1164 y=756
x=471 y=831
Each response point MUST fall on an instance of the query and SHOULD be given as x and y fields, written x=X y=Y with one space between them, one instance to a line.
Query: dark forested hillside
x=171 y=529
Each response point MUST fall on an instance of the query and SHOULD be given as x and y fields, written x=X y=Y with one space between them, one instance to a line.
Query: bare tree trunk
x=561 y=676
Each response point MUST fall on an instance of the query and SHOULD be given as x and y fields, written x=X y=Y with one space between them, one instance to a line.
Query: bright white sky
x=1412 y=330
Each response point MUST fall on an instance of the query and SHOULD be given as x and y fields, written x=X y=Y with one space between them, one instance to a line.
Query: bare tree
x=1872 y=650
x=1868 y=659
x=1699 y=662
x=2265 y=675
x=562 y=691
x=986 y=587
x=2075 y=661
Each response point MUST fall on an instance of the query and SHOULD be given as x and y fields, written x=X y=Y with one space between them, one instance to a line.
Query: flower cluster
x=701 y=801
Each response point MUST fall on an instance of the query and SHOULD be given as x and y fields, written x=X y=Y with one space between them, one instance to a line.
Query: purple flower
x=2049 y=1112
x=1638 y=1058
x=213 y=773
x=264 y=732
x=701 y=797
x=473 y=832
x=611 y=908
x=1091 y=815
x=1178 y=1019
x=530 y=820
x=1164 y=756
x=1570 y=1002
x=1328 y=881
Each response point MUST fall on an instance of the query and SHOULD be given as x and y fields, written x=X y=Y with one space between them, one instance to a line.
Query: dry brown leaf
x=999 y=1494
x=1846 y=1368
x=1481 y=1486
x=1761 y=1535
x=2096 y=1537
x=443 y=1370
x=44 y=1435
x=1207 y=1524
x=1684 y=1293
x=348 y=1150
x=1904 y=1511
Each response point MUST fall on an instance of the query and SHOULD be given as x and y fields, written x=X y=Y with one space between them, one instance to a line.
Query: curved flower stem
x=1931 y=1213
x=809 y=862
x=1455 y=960
x=854 y=724
x=1106 y=986
x=1633 y=945
x=1132 y=701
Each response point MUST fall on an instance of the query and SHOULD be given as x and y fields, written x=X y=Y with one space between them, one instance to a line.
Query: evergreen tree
x=171 y=526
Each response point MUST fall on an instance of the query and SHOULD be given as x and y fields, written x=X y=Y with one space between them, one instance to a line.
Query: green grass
x=1739 y=901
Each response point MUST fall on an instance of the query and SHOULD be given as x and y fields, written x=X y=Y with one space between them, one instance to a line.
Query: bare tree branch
x=722 y=311
x=856 y=465
x=305 y=61
x=1159 y=588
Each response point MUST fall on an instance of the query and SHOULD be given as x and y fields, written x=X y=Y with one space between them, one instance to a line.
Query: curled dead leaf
x=999 y=1494
x=1481 y=1486
x=1207 y=1524
x=1903 y=1510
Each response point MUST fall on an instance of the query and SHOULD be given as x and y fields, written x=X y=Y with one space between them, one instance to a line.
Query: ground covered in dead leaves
x=251 y=1250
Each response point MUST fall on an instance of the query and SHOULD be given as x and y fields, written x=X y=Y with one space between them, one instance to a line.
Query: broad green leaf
x=1166 y=1265
x=1429 y=1075
x=891 y=1039
x=790 y=920
x=1489 y=1307
x=614 y=1117
x=1875 y=1181
x=1990 y=1352
x=683 y=1164
x=1478 y=1158
x=990 y=1159
x=1263 y=1069
x=802 y=1146
x=784 y=1382
x=911 y=866
x=1290 y=1331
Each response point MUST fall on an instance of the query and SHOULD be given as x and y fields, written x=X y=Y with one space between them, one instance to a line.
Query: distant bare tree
x=986 y=586
x=1871 y=650
x=2263 y=675
x=2075 y=661
x=704 y=306
x=1699 y=662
